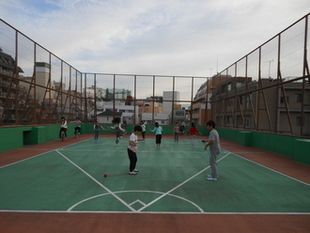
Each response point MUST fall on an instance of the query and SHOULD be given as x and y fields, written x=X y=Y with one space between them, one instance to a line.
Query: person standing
x=176 y=131
x=77 y=127
x=182 y=127
x=215 y=149
x=158 y=132
x=193 y=132
x=63 y=127
x=97 y=127
x=143 y=126
x=132 y=150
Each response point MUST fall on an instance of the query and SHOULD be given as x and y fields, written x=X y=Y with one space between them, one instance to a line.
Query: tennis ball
x=105 y=175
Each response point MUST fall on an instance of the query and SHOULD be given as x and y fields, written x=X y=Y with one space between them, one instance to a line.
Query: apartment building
x=262 y=105
x=201 y=107
x=9 y=88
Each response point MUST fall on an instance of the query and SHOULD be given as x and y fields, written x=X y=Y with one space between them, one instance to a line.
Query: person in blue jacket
x=158 y=132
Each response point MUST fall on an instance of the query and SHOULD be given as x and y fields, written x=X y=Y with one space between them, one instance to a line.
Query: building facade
x=262 y=105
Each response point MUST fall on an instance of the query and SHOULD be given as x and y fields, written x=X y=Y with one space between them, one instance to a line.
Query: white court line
x=168 y=193
x=51 y=150
x=268 y=168
x=184 y=182
x=149 y=212
x=142 y=203
x=101 y=185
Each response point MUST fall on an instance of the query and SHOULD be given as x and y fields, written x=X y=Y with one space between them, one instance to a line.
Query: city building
x=9 y=89
x=161 y=118
x=245 y=104
x=201 y=107
x=168 y=97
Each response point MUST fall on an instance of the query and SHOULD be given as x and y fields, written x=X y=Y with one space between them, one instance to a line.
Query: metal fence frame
x=282 y=53
x=38 y=87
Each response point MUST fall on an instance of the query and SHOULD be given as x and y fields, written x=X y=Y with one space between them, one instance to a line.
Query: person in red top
x=193 y=132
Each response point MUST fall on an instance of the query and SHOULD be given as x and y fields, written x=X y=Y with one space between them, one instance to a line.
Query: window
x=298 y=121
x=229 y=87
x=230 y=120
x=231 y=102
x=180 y=113
x=298 y=97
x=239 y=84
x=247 y=122
x=223 y=89
x=239 y=120
x=282 y=100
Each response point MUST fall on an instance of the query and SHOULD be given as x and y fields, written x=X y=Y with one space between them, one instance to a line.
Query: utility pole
x=269 y=67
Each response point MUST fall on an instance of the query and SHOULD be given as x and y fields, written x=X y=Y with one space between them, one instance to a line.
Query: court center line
x=176 y=187
x=101 y=185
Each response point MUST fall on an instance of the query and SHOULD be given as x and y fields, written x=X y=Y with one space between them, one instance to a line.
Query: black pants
x=158 y=138
x=133 y=160
x=62 y=130
x=77 y=129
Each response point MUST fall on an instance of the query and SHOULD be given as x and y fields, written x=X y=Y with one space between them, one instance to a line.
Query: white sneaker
x=210 y=178
x=132 y=173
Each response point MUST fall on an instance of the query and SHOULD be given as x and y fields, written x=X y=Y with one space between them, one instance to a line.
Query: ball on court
x=105 y=175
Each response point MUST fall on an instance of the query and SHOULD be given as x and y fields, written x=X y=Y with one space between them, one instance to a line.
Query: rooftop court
x=59 y=187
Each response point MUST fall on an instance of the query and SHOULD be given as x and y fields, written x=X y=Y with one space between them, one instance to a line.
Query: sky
x=156 y=37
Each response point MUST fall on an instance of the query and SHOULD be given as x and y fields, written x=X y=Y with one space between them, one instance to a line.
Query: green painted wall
x=302 y=151
x=297 y=148
x=275 y=143
x=18 y=137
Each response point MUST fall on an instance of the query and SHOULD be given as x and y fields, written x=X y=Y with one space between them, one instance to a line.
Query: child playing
x=77 y=127
x=143 y=126
x=182 y=127
x=176 y=131
x=215 y=149
x=63 y=127
x=193 y=131
x=132 y=150
x=158 y=132
x=118 y=128
x=97 y=127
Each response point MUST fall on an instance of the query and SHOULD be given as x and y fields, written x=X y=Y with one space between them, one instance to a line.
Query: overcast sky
x=170 y=37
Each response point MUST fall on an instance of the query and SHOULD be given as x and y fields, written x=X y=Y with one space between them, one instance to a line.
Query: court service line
x=176 y=187
x=280 y=173
x=101 y=185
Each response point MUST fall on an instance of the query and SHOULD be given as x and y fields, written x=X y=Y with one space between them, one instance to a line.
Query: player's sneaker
x=136 y=170
x=210 y=178
x=132 y=173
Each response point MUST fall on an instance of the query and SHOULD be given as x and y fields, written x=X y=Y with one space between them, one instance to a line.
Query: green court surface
x=170 y=179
